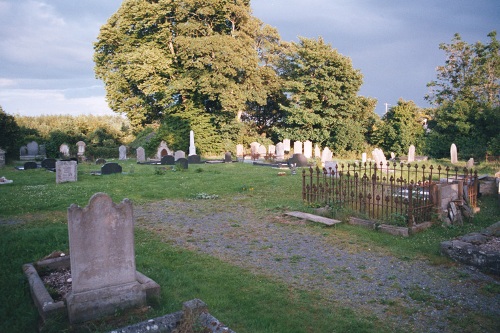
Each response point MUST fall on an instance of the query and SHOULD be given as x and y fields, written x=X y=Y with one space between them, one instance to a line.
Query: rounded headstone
x=182 y=163
x=168 y=160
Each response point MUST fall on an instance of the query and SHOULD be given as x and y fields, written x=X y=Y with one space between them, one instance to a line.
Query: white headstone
x=280 y=151
x=271 y=149
x=66 y=171
x=308 y=149
x=254 y=148
x=141 y=155
x=379 y=157
x=286 y=145
x=80 y=148
x=363 y=157
x=64 y=150
x=470 y=163
x=317 y=151
x=411 y=154
x=453 y=154
x=240 y=151
x=297 y=147
x=122 y=152
x=326 y=155
x=262 y=151
x=393 y=155
x=192 y=147
x=179 y=154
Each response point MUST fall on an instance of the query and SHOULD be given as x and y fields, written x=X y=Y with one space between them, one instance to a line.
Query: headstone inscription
x=141 y=155
x=122 y=150
x=308 y=149
x=2 y=157
x=66 y=171
x=110 y=168
x=411 y=154
x=297 y=147
x=167 y=160
x=182 y=163
x=103 y=270
x=30 y=165
x=453 y=154
x=49 y=163
x=280 y=151
x=80 y=148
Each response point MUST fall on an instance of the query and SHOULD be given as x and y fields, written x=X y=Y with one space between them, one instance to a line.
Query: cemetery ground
x=217 y=232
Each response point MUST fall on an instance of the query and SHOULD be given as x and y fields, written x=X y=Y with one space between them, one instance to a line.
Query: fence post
x=410 y=205
x=303 y=185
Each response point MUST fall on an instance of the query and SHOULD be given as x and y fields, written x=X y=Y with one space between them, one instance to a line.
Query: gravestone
x=271 y=150
x=317 y=151
x=286 y=145
x=228 y=158
x=308 y=149
x=110 y=168
x=49 y=163
x=363 y=158
x=167 y=160
x=262 y=151
x=299 y=160
x=80 y=148
x=194 y=159
x=470 y=163
x=66 y=171
x=122 y=150
x=393 y=156
x=379 y=157
x=141 y=155
x=280 y=151
x=331 y=167
x=42 y=150
x=453 y=154
x=163 y=150
x=64 y=150
x=411 y=154
x=326 y=155
x=2 y=157
x=182 y=163
x=179 y=154
x=30 y=165
x=100 y=161
x=23 y=151
x=102 y=257
x=192 y=147
x=240 y=151
x=32 y=148
x=297 y=147
x=254 y=148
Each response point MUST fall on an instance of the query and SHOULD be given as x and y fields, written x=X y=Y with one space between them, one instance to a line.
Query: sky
x=46 y=46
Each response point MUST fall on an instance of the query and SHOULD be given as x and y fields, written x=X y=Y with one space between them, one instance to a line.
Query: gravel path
x=347 y=273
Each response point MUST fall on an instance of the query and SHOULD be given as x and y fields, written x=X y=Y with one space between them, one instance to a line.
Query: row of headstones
x=168 y=158
x=279 y=150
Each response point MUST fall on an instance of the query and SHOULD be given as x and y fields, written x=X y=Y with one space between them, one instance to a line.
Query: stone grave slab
x=110 y=168
x=314 y=218
x=30 y=165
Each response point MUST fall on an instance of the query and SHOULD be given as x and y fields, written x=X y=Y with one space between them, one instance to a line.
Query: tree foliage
x=10 y=135
x=467 y=99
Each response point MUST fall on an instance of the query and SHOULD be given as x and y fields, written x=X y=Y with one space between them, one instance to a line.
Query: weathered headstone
x=308 y=149
x=179 y=154
x=167 y=160
x=103 y=270
x=240 y=151
x=64 y=150
x=317 y=151
x=297 y=147
x=163 y=150
x=30 y=165
x=122 y=150
x=2 y=157
x=66 y=171
x=411 y=154
x=228 y=158
x=194 y=159
x=141 y=155
x=110 y=168
x=470 y=163
x=280 y=151
x=49 y=163
x=32 y=148
x=254 y=148
x=379 y=157
x=80 y=148
x=192 y=147
x=182 y=163
x=363 y=157
x=299 y=160
x=286 y=145
x=453 y=154
x=262 y=151
x=326 y=155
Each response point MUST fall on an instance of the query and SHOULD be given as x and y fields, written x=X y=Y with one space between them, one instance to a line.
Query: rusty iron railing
x=384 y=192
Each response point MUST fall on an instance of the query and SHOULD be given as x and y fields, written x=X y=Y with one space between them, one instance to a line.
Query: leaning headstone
x=308 y=149
x=64 y=150
x=411 y=154
x=240 y=150
x=66 y=171
x=297 y=147
x=122 y=150
x=167 y=160
x=453 y=154
x=49 y=163
x=2 y=157
x=192 y=147
x=182 y=163
x=80 y=148
x=194 y=159
x=299 y=160
x=110 y=168
x=102 y=257
x=286 y=145
x=179 y=154
x=470 y=163
x=141 y=155
x=317 y=151
x=32 y=148
x=30 y=165
x=228 y=158
x=280 y=151
x=379 y=157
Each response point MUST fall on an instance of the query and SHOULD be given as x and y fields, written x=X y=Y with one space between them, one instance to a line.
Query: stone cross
x=141 y=155
x=308 y=149
x=453 y=154
x=192 y=148
x=411 y=154
x=66 y=171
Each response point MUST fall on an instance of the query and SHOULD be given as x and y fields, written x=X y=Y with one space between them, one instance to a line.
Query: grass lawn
x=33 y=224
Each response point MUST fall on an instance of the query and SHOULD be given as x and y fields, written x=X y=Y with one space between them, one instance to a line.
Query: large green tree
x=322 y=88
x=466 y=96
x=10 y=135
x=193 y=64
